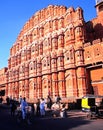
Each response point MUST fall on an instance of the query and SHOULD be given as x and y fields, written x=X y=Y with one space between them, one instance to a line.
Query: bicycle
x=28 y=118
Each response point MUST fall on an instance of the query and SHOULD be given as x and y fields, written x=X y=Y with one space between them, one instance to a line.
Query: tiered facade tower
x=57 y=52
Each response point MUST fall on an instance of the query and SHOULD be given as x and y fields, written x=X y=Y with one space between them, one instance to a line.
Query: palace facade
x=57 y=52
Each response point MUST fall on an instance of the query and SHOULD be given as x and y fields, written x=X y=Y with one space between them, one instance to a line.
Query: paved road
x=76 y=121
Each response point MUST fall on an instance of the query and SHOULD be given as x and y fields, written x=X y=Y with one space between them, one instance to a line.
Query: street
x=76 y=120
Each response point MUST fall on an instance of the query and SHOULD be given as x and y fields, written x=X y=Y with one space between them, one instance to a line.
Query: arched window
x=31 y=66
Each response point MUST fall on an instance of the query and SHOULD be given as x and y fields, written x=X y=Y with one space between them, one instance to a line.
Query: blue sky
x=15 y=13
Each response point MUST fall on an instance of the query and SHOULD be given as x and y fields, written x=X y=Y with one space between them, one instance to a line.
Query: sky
x=15 y=13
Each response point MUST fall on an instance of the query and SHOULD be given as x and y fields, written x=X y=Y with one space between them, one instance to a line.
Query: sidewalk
x=76 y=113
x=4 y=106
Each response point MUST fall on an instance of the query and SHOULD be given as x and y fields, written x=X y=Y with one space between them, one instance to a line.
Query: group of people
x=39 y=109
x=42 y=104
x=49 y=104
x=23 y=105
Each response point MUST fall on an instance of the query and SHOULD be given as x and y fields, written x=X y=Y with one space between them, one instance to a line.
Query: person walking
x=13 y=107
x=20 y=99
x=38 y=107
x=49 y=102
x=42 y=107
x=23 y=105
x=63 y=112
x=8 y=100
x=58 y=99
x=32 y=109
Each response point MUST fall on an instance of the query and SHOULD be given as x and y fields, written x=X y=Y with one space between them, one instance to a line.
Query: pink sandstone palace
x=56 y=52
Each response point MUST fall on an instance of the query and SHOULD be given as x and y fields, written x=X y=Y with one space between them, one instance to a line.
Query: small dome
x=71 y=9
